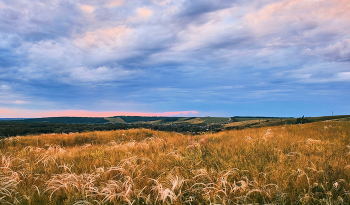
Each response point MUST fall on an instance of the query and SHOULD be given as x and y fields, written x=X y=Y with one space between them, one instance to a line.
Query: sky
x=174 y=58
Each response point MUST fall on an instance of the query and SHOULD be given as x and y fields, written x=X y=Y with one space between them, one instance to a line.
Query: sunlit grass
x=299 y=164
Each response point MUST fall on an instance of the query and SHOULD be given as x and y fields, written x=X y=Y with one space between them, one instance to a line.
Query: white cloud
x=104 y=38
x=100 y=74
x=4 y=87
x=343 y=76
x=9 y=96
x=20 y=102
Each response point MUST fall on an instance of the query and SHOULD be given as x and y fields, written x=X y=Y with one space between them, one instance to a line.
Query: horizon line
x=25 y=113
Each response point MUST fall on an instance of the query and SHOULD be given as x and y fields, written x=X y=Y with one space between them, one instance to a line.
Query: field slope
x=292 y=164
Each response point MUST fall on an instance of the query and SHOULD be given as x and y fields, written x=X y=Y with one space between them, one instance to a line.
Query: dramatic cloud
x=226 y=57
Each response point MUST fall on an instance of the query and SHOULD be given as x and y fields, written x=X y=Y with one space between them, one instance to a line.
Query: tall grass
x=299 y=164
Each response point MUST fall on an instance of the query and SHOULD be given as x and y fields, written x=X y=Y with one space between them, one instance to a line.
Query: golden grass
x=195 y=121
x=298 y=164
x=243 y=123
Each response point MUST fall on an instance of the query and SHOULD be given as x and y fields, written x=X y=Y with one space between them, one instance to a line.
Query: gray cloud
x=194 y=8
x=337 y=52
x=37 y=21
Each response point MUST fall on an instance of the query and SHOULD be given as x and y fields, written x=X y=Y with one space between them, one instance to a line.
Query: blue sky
x=164 y=57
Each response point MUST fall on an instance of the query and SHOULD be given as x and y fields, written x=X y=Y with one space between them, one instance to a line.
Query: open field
x=291 y=164
x=254 y=123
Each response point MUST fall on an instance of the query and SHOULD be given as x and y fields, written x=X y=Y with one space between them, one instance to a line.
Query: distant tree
x=302 y=120
x=233 y=119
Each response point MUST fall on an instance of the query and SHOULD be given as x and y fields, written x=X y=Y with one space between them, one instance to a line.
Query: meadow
x=290 y=164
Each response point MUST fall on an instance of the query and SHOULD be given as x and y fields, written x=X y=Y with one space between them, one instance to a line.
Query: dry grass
x=299 y=164
x=243 y=123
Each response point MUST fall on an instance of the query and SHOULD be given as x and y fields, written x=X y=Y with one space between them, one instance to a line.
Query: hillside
x=291 y=164
x=255 y=122
x=185 y=125
x=129 y=120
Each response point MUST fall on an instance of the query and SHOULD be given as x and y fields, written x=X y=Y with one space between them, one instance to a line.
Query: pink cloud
x=87 y=8
x=303 y=13
x=19 y=102
x=23 y=113
x=144 y=12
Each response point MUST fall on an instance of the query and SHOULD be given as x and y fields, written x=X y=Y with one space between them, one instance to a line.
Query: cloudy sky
x=174 y=57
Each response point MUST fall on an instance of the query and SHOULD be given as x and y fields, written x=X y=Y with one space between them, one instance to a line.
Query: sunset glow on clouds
x=22 y=113
x=217 y=57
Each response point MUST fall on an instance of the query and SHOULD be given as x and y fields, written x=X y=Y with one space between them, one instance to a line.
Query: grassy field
x=255 y=123
x=242 y=122
x=291 y=164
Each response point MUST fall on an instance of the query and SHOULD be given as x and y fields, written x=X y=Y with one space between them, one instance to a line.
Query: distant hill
x=187 y=125
x=139 y=120
x=132 y=120
x=10 y=119
x=238 y=122
x=70 y=120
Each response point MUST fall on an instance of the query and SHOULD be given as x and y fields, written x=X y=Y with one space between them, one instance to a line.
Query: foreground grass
x=298 y=164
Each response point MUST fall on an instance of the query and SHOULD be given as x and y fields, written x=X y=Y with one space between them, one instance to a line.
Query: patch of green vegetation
x=182 y=119
x=116 y=120
x=170 y=119
x=323 y=118
x=212 y=120
x=244 y=118
x=194 y=121
x=134 y=119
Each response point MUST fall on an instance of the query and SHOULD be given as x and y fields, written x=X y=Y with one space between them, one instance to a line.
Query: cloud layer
x=215 y=57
